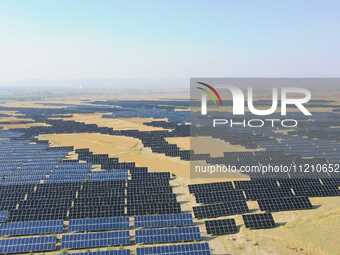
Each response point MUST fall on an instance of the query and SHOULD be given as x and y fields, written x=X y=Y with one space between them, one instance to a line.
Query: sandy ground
x=116 y=124
x=44 y=103
x=13 y=119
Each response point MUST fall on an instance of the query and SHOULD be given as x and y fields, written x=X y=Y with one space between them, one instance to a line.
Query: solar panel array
x=99 y=199
x=185 y=249
x=266 y=192
x=219 y=196
x=113 y=252
x=167 y=235
x=97 y=205
x=163 y=220
x=285 y=204
x=221 y=227
x=31 y=227
x=98 y=224
x=3 y=216
x=221 y=209
x=28 y=245
x=98 y=239
x=38 y=185
x=259 y=221
x=210 y=187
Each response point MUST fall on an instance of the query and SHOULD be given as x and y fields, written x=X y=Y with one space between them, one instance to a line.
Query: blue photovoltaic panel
x=3 y=216
x=167 y=235
x=117 y=252
x=27 y=245
x=164 y=220
x=185 y=249
x=97 y=224
x=99 y=239
x=31 y=227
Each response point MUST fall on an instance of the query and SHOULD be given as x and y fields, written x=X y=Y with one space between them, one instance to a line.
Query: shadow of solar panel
x=164 y=220
x=219 y=196
x=220 y=209
x=284 y=204
x=259 y=221
x=99 y=239
x=27 y=245
x=31 y=227
x=185 y=249
x=221 y=227
x=114 y=252
x=167 y=235
x=97 y=224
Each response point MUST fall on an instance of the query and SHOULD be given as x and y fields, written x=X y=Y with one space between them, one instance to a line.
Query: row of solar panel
x=40 y=244
x=228 y=226
x=103 y=239
x=258 y=183
x=94 y=224
x=241 y=207
x=264 y=193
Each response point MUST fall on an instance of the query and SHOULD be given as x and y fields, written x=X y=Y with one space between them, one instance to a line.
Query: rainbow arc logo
x=213 y=94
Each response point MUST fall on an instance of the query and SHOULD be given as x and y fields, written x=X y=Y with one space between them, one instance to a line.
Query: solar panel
x=185 y=249
x=31 y=227
x=221 y=227
x=114 y=252
x=152 y=198
x=152 y=182
x=256 y=183
x=209 y=187
x=97 y=224
x=317 y=191
x=93 y=212
x=142 y=209
x=294 y=182
x=163 y=220
x=99 y=239
x=27 y=245
x=259 y=221
x=220 y=209
x=262 y=193
x=284 y=204
x=148 y=190
x=3 y=216
x=219 y=196
x=167 y=235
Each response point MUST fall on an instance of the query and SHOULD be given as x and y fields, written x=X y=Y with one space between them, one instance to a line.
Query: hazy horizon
x=151 y=44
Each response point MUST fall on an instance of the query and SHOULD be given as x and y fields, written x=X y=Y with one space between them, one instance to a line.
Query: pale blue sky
x=157 y=41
